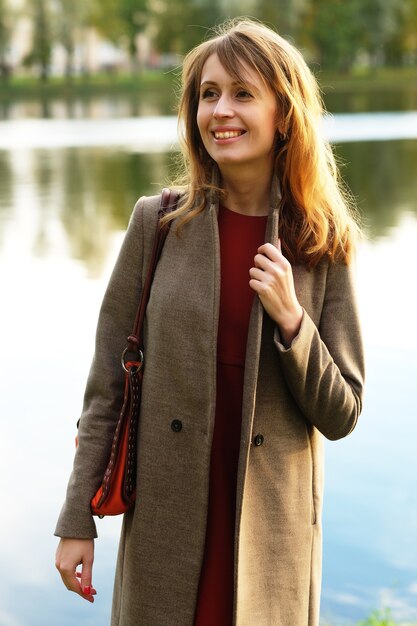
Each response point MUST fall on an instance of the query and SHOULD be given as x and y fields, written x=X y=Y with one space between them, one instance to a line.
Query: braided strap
x=117 y=492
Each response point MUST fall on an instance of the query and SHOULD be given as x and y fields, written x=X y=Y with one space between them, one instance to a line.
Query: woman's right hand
x=71 y=553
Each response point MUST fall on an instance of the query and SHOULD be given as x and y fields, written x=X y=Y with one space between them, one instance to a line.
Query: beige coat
x=291 y=396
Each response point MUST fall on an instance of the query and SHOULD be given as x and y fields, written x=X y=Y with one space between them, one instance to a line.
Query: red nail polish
x=86 y=591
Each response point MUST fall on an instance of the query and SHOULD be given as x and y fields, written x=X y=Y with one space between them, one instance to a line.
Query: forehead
x=215 y=71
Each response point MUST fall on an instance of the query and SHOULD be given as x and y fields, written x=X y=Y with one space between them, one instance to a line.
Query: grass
x=365 y=80
x=95 y=84
x=361 y=80
x=381 y=618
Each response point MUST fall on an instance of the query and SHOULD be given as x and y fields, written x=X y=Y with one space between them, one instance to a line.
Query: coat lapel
x=253 y=349
x=253 y=346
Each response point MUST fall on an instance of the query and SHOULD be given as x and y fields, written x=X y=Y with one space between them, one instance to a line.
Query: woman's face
x=237 y=121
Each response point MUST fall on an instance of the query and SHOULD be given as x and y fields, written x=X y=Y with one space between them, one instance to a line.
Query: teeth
x=228 y=134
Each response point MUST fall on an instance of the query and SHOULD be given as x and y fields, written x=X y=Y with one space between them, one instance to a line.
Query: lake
x=65 y=198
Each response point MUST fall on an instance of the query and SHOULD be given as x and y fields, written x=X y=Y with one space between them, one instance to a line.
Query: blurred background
x=88 y=94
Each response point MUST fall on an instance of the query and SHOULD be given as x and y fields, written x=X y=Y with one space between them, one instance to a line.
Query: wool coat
x=292 y=397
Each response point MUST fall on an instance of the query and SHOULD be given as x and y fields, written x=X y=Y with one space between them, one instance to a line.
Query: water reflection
x=89 y=192
x=161 y=101
x=159 y=134
x=149 y=101
x=382 y=176
x=357 y=100
x=62 y=216
x=77 y=197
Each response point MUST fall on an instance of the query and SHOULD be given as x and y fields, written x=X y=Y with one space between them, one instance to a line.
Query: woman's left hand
x=272 y=279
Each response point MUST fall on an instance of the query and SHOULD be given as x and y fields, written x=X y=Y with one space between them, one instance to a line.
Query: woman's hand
x=273 y=281
x=71 y=553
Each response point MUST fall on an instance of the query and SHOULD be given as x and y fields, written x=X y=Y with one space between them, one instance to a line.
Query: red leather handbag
x=117 y=492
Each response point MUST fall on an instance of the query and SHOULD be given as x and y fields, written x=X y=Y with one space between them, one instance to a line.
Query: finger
x=269 y=265
x=271 y=251
x=256 y=273
x=78 y=574
x=69 y=578
x=262 y=262
x=86 y=576
x=279 y=245
x=259 y=281
x=93 y=590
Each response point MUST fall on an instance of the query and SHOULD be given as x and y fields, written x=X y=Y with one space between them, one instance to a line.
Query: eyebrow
x=235 y=83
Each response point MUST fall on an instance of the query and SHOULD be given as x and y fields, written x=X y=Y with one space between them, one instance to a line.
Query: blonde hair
x=315 y=214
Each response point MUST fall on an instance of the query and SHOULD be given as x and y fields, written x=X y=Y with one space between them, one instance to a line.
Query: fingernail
x=87 y=590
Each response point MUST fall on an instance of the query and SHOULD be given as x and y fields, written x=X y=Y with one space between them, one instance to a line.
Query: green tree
x=41 y=52
x=338 y=32
x=401 y=45
x=284 y=15
x=72 y=18
x=5 y=32
x=334 y=32
x=179 y=26
x=121 y=21
x=381 y=20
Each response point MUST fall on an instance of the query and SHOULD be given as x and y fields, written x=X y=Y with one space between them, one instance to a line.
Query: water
x=161 y=100
x=62 y=214
x=159 y=134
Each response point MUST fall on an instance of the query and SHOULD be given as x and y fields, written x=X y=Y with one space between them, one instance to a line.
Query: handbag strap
x=169 y=202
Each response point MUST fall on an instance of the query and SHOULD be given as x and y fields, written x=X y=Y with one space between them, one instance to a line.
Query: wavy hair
x=316 y=212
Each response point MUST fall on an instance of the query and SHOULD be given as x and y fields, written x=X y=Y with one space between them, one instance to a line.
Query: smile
x=228 y=134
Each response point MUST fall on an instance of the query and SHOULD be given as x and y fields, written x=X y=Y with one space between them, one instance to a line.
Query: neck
x=246 y=193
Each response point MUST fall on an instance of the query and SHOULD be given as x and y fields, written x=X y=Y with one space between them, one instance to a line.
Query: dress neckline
x=231 y=213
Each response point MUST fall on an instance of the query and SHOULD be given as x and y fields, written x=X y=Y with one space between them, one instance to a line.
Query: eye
x=242 y=94
x=206 y=94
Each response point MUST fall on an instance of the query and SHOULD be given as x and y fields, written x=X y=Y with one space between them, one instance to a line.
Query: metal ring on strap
x=138 y=362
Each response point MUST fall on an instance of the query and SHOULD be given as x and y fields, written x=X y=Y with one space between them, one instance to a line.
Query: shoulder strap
x=169 y=202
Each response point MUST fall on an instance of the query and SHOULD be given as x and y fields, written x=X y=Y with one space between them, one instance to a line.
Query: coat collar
x=272 y=228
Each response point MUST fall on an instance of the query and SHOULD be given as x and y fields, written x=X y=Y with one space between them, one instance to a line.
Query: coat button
x=258 y=440
x=176 y=426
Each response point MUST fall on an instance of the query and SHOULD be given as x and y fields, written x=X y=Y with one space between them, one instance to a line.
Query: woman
x=253 y=354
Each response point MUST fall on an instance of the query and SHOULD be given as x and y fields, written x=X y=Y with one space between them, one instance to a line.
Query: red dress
x=240 y=237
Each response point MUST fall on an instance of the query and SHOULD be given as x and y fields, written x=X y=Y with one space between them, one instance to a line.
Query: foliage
x=5 y=32
x=121 y=21
x=379 y=618
x=286 y=15
x=41 y=52
x=325 y=19
x=338 y=35
x=174 y=34
x=73 y=17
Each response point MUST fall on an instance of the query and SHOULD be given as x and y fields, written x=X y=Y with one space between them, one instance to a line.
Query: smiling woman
x=253 y=354
x=238 y=121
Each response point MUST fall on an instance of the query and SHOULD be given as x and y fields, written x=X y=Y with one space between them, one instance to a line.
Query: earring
x=282 y=136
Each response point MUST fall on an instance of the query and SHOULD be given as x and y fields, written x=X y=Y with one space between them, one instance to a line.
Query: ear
x=282 y=118
x=281 y=134
x=281 y=131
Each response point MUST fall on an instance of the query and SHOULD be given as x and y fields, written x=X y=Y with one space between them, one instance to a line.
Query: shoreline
x=362 y=81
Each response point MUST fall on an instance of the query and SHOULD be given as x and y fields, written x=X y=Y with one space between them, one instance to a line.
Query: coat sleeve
x=105 y=385
x=324 y=366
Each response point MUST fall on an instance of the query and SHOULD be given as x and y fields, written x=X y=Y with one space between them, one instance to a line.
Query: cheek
x=272 y=125
x=201 y=119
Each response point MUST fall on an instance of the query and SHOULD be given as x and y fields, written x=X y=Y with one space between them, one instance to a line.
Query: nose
x=223 y=108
